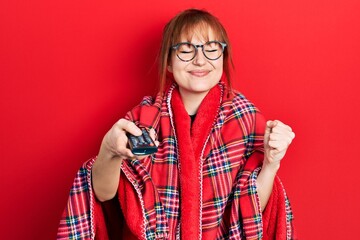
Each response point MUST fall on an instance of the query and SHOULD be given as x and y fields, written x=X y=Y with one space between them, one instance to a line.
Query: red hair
x=186 y=23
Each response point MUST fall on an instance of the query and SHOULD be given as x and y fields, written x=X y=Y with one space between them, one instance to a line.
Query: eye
x=185 y=48
x=186 y=52
x=212 y=46
x=211 y=50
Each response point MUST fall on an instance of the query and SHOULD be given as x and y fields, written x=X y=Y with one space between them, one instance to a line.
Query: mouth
x=199 y=73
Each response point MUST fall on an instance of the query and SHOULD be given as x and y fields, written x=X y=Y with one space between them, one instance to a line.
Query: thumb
x=269 y=126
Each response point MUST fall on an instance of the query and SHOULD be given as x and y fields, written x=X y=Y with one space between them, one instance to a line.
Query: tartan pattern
x=76 y=221
x=289 y=215
x=226 y=187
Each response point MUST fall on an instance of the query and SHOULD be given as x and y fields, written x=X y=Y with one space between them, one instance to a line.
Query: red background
x=70 y=69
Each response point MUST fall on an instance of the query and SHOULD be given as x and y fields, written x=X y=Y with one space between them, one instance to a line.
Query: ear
x=169 y=68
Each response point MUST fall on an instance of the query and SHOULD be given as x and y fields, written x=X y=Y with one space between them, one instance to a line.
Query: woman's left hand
x=278 y=136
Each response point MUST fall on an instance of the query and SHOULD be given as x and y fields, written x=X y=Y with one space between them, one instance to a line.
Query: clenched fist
x=278 y=136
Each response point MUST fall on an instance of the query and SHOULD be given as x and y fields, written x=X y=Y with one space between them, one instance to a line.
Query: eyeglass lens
x=211 y=50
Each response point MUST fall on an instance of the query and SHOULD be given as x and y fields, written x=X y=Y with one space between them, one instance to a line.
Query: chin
x=202 y=89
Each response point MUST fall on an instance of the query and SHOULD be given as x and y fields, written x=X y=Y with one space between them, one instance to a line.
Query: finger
x=268 y=129
x=287 y=136
x=121 y=146
x=293 y=135
x=124 y=152
x=283 y=132
x=281 y=126
x=270 y=125
x=278 y=145
x=152 y=134
x=128 y=126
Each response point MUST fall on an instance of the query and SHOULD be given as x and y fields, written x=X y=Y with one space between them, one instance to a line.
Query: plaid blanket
x=201 y=184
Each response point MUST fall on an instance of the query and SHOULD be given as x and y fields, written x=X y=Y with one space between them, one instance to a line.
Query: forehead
x=200 y=32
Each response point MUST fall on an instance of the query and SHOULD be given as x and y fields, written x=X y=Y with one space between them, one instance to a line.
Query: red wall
x=70 y=69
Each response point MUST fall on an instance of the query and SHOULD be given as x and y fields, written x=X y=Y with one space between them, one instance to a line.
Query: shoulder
x=155 y=101
x=147 y=101
x=237 y=103
x=147 y=112
x=236 y=108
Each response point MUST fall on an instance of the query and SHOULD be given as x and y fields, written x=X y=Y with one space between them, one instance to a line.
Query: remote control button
x=134 y=141
x=148 y=139
x=141 y=139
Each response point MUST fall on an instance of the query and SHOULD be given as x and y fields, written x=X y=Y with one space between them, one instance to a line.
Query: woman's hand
x=114 y=144
x=114 y=148
x=278 y=137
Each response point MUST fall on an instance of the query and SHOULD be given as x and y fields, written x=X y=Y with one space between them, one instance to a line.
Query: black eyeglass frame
x=176 y=46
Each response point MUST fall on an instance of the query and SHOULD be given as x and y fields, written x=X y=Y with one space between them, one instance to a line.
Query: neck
x=192 y=101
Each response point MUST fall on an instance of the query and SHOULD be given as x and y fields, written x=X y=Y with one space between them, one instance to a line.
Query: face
x=198 y=76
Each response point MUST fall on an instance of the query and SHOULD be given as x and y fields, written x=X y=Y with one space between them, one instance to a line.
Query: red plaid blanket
x=201 y=184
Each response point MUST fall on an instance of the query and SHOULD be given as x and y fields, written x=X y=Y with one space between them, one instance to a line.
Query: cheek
x=221 y=62
x=217 y=64
x=178 y=66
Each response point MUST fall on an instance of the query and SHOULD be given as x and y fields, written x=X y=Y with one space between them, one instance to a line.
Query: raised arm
x=278 y=136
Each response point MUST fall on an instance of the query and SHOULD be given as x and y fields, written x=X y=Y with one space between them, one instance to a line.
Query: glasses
x=187 y=51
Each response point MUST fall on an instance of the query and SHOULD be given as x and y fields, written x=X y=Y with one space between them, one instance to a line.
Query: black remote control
x=143 y=144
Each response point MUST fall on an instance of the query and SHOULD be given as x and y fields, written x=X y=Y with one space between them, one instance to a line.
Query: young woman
x=214 y=174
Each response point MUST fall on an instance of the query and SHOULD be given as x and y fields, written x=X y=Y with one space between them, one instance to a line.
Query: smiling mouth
x=199 y=73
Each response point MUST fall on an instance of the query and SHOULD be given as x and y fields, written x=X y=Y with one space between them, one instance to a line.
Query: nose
x=200 y=58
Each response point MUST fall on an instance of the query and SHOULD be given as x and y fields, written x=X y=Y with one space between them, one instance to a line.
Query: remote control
x=143 y=144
